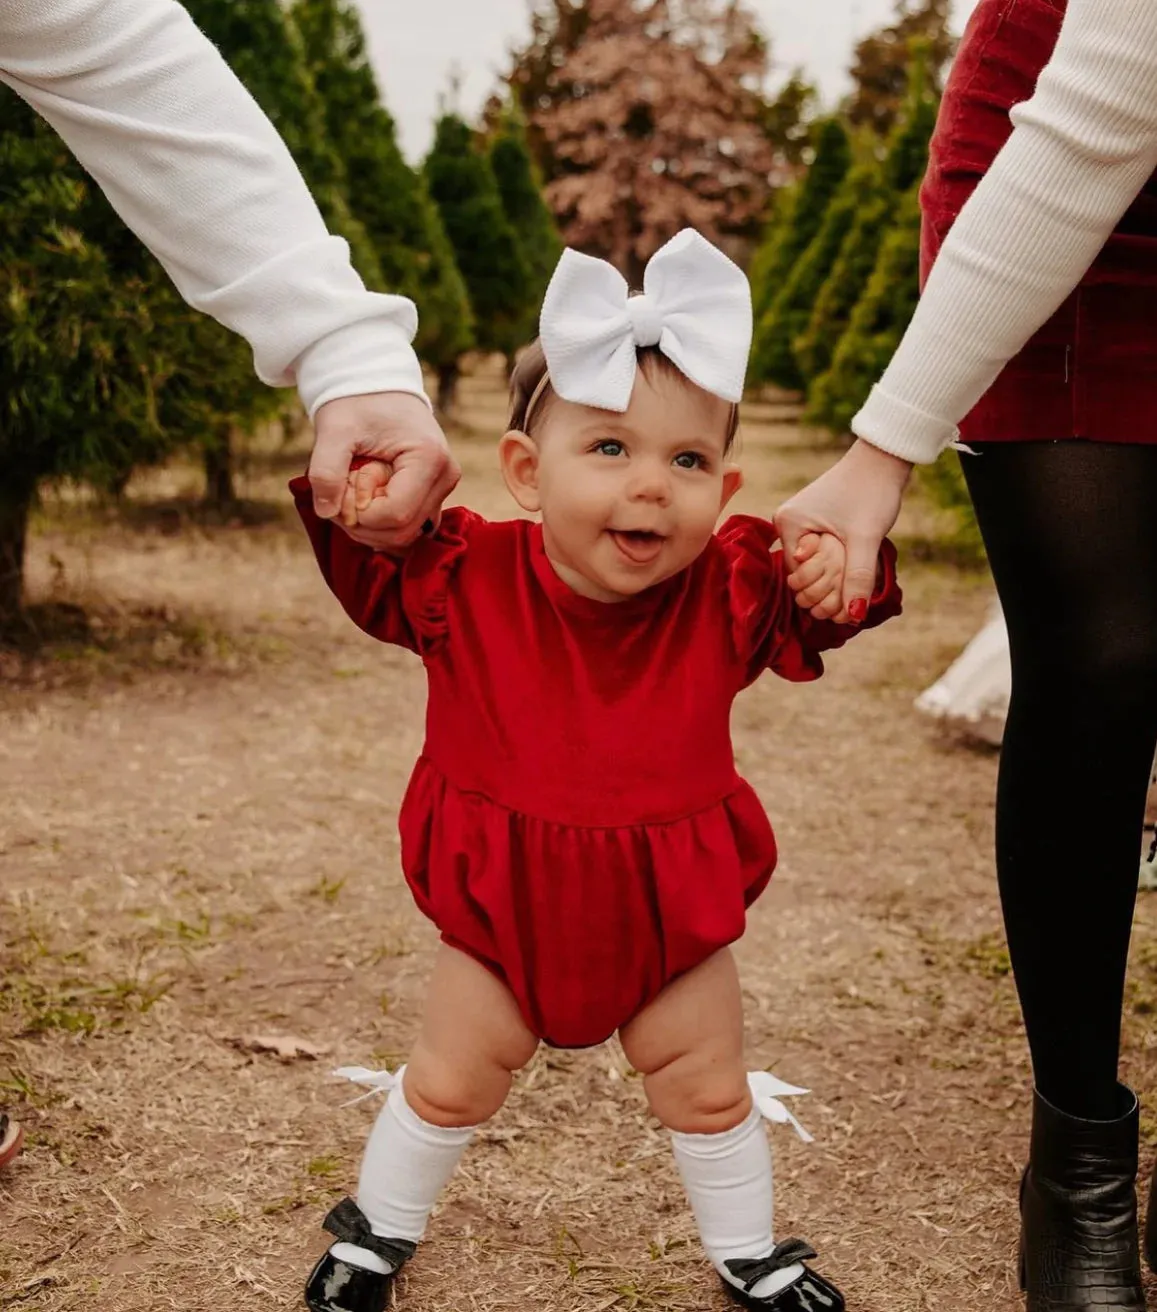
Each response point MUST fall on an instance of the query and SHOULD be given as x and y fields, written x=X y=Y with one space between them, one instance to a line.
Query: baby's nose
x=651 y=482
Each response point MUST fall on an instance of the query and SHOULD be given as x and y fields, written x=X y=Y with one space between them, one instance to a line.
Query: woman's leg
x=1071 y=533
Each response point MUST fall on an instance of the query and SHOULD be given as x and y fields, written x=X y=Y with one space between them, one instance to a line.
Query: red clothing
x=575 y=821
x=1091 y=371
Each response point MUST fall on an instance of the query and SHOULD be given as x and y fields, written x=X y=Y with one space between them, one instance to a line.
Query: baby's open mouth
x=640 y=546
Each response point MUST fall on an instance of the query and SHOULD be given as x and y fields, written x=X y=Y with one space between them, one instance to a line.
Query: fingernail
x=428 y=526
x=858 y=611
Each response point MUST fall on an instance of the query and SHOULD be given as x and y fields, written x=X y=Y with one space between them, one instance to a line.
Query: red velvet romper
x=1091 y=371
x=575 y=821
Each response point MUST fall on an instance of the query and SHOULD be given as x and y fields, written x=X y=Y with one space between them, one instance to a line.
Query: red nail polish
x=858 y=611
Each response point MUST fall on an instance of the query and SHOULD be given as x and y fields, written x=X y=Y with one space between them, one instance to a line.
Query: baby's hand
x=817 y=578
x=362 y=487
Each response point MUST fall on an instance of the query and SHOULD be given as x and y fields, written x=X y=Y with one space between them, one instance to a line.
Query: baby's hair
x=531 y=393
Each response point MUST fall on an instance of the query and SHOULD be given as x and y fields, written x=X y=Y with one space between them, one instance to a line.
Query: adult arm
x=1081 y=149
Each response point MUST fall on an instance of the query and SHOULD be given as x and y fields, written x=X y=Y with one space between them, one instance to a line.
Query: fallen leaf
x=286 y=1047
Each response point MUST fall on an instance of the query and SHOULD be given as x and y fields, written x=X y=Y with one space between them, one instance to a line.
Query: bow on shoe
x=695 y=306
x=348 y=1223
x=766 y=1092
x=749 y=1271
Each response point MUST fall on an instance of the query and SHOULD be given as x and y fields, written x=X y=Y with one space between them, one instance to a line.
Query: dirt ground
x=197 y=850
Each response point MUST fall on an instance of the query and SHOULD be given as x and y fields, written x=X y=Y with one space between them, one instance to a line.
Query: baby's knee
x=696 y=1093
x=448 y=1093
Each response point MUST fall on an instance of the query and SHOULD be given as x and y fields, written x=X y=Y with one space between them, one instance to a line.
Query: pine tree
x=387 y=196
x=878 y=323
x=532 y=221
x=881 y=66
x=81 y=362
x=464 y=188
x=902 y=168
x=786 y=124
x=788 y=238
x=773 y=354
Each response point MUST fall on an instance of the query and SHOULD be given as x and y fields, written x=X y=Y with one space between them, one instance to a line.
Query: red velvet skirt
x=1091 y=371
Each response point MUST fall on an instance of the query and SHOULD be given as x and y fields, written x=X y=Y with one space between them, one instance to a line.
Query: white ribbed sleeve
x=1082 y=148
x=193 y=166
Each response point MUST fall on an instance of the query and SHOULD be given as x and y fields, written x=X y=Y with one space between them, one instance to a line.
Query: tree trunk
x=17 y=491
x=220 y=489
x=448 y=375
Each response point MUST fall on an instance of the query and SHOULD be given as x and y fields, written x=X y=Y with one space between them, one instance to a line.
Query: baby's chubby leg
x=688 y=1046
x=472 y=1040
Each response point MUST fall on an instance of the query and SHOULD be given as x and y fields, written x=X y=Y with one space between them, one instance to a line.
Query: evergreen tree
x=789 y=237
x=463 y=186
x=785 y=121
x=902 y=168
x=532 y=221
x=81 y=365
x=766 y=257
x=389 y=198
x=773 y=355
x=881 y=67
x=878 y=323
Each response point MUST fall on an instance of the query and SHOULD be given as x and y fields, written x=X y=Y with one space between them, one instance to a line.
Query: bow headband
x=695 y=306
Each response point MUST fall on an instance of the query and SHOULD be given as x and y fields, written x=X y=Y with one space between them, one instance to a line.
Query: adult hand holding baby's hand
x=858 y=502
x=399 y=429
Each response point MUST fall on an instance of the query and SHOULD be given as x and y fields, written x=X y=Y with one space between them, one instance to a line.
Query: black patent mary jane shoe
x=809 y=1292
x=337 y=1285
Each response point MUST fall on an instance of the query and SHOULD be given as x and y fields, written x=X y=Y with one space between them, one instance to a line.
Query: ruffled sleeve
x=397 y=599
x=769 y=630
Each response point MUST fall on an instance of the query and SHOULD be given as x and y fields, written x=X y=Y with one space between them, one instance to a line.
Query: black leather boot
x=1078 y=1205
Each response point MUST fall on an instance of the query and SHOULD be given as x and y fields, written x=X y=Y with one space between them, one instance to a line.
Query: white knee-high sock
x=729 y=1183
x=407 y=1164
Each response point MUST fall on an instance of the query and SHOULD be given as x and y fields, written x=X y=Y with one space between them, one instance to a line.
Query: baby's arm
x=367 y=582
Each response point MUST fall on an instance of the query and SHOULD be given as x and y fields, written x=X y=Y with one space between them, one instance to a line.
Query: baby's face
x=627 y=500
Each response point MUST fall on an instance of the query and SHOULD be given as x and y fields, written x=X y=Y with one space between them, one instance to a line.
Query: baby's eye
x=609 y=447
x=690 y=460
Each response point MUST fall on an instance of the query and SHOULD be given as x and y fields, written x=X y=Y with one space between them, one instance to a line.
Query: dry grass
x=197 y=845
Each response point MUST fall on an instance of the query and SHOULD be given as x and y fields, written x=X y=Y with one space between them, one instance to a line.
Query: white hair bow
x=695 y=306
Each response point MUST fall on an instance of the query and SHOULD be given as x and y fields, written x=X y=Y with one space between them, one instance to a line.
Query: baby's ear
x=732 y=482
x=518 y=457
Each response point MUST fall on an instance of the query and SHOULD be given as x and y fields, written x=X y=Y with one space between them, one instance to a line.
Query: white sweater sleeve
x=193 y=166
x=1082 y=148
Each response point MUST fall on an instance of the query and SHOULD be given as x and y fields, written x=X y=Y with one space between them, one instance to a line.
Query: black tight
x=1071 y=533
